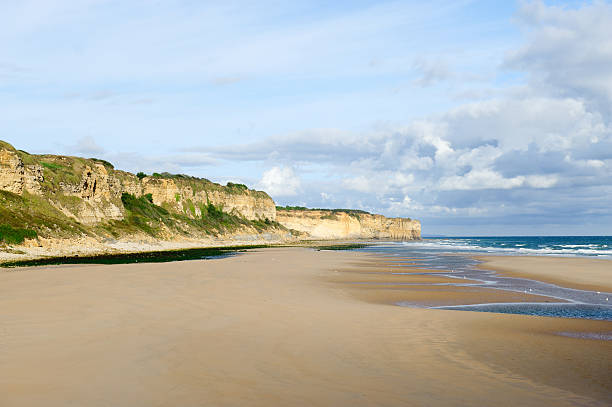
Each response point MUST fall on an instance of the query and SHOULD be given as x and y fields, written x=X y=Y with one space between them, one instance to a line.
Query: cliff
x=77 y=205
x=348 y=224
x=60 y=197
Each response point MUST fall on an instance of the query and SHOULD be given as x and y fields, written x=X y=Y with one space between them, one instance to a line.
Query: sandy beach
x=285 y=327
x=573 y=272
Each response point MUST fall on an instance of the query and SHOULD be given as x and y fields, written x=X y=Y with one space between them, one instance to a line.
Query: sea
x=581 y=246
x=452 y=258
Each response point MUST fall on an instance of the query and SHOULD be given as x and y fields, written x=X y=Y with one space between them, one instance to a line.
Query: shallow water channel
x=566 y=302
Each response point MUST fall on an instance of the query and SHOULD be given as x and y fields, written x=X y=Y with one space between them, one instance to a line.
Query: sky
x=475 y=117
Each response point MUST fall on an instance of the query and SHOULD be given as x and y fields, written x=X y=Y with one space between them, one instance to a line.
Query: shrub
x=237 y=186
x=141 y=175
x=104 y=163
x=141 y=211
x=11 y=235
x=214 y=212
x=292 y=208
x=142 y=206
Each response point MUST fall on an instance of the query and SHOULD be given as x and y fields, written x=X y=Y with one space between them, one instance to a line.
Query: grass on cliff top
x=58 y=170
x=204 y=185
x=69 y=170
x=103 y=162
x=6 y=146
x=303 y=208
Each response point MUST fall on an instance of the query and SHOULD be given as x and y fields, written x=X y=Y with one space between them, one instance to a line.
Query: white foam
x=465 y=245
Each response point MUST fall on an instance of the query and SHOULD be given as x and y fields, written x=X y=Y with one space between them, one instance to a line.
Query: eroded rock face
x=33 y=178
x=127 y=182
x=90 y=192
x=251 y=204
x=163 y=191
x=99 y=192
x=343 y=225
x=96 y=184
x=99 y=189
x=12 y=172
x=184 y=198
x=15 y=177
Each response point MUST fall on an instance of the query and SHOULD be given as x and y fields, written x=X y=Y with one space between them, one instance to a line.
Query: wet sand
x=580 y=273
x=274 y=327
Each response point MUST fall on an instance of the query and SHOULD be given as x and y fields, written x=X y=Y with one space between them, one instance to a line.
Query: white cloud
x=568 y=52
x=475 y=180
x=596 y=163
x=360 y=184
x=536 y=144
x=280 y=181
x=411 y=161
x=542 y=181
x=87 y=145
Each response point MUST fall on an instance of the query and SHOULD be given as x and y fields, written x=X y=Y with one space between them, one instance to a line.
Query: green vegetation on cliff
x=51 y=196
x=36 y=213
x=303 y=208
x=331 y=213
x=11 y=235
x=142 y=215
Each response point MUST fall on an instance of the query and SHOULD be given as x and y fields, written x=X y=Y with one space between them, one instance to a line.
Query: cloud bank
x=538 y=156
x=476 y=117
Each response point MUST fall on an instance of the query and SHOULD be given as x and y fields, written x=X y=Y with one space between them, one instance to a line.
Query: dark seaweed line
x=139 y=257
x=162 y=256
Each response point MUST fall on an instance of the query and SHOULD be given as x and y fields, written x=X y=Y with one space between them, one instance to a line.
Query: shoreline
x=272 y=327
x=165 y=252
x=581 y=273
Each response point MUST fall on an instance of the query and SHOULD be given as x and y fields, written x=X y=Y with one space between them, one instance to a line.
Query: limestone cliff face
x=322 y=224
x=71 y=196
x=99 y=194
x=15 y=176
x=188 y=196
x=89 y=191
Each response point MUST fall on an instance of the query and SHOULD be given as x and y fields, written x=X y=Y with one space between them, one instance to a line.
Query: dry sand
x=273 y=328
x=573 y=272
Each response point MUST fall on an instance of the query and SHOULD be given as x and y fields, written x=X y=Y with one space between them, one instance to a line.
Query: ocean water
x=598 y=246
x=451 y=257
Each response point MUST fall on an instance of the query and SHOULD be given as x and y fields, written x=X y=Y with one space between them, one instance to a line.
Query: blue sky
x=476 y=117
